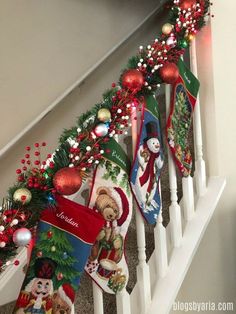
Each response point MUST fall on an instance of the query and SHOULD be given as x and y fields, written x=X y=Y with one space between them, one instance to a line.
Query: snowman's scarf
x=149 y=173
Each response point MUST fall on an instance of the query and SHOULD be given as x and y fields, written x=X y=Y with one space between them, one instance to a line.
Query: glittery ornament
x=132 y=80
x=22 y=195
x=186 y=4
x=22 y=237
x=67 y=181
x=169 y=73
x=183 y=43
x=101 y=130
x=104 y=115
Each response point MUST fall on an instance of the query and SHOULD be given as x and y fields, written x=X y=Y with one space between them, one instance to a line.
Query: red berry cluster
x=122 y=104
x=10 y=220
x=31 y=172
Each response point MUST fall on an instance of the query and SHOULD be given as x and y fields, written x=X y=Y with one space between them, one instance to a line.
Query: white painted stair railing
x=159 y=279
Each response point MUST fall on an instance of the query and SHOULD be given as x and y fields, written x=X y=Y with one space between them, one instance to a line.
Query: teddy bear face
x=60 y=306
x=153 y=145
x=106 y=204
x=110 y=214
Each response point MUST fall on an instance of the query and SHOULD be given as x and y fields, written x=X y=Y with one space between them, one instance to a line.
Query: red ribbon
x=149 y=171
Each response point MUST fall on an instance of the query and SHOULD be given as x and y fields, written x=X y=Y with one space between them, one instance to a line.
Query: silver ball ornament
x=22 y=237
x=171 y=41
x=101 y=130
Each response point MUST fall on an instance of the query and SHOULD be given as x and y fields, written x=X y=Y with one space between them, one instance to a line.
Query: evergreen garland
x=79 y=146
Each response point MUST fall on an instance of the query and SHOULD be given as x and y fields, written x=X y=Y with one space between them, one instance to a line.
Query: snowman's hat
x=151 y=129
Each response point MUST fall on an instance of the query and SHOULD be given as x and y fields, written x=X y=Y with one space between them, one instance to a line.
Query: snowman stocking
x=64 y=240
x=148 y=161
x=184 y=96
x=111 y=196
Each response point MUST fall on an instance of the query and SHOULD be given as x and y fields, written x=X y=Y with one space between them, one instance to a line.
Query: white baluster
x=123 y=302
x=200 y=168
x=188 y=197
x=97 y=299
x=143 y=273
x=174 y=209
x=160 y=245
x=123 y=297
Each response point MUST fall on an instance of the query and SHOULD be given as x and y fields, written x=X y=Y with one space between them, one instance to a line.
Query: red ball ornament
x=39 y=254
x=133 y=80
x=49 y=234
x=186 y=4
x=169 y=73
x=67 y=181
x=60 y=276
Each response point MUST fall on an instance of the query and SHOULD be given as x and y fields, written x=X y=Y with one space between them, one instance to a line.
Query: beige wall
x=212 y=275
x=46 y=45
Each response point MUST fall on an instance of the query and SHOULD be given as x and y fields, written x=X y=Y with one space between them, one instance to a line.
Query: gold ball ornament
x=22 y=195
x=190 y=37
x=167 y=28
x=53 y=249
x=104 y=115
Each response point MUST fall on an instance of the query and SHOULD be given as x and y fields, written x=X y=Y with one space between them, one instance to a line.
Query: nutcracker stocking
x=64 y=239
x=148 y=161
x=111 y=196
x=184 y=96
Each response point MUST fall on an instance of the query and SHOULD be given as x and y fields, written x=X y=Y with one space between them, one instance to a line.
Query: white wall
x=81 y=99
x=212 y=275
x=46 y=45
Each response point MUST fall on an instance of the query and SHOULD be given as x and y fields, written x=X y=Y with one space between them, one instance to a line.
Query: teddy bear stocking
x=111 y=196
x=184 y=96
x=65 y=235
x=148 y=161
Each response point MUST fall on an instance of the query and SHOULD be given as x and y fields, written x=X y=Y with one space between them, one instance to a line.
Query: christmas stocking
x=111 y=196
x=148 y=161
x=64 y=240
x=184 y=95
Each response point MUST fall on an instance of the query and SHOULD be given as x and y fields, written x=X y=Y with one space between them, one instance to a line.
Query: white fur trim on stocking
x=64 y=296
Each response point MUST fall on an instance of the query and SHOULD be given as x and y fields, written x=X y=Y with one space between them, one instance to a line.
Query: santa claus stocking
x=148 y=161
x=111 y=196
x=64 y=240
x=184 y=95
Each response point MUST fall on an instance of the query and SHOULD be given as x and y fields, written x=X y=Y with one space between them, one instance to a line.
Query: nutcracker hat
x=45 y=268
x=67 y=293
x=151 y=129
